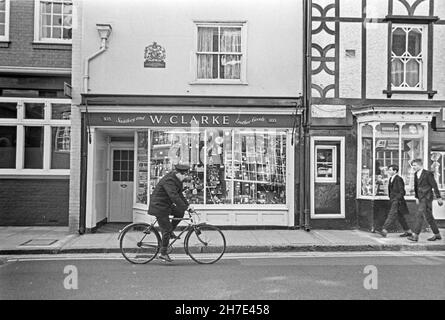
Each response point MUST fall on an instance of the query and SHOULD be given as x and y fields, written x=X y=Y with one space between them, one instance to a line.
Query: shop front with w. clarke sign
x=241 y=160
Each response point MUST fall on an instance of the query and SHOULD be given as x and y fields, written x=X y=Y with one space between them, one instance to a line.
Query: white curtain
x=229 y=41
x=205 y=44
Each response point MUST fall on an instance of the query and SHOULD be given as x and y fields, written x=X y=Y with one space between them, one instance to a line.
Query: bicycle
x=140 y=242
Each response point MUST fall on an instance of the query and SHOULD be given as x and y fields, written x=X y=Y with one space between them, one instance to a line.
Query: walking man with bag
x=424 y=183
x=398 y=209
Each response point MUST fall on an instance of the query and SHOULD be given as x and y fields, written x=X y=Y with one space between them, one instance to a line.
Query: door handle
x=123 y=185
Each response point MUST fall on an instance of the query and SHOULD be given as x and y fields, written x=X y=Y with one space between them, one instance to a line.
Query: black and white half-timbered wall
x=377 y=97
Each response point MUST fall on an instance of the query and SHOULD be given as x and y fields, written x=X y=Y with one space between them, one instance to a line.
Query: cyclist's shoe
x=165 y=257
x=173 y=236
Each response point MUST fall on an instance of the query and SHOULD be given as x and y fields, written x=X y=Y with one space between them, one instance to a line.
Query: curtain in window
x=205 y=44
x=231 y=42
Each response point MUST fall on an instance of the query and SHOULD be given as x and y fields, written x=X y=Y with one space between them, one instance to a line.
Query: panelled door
x=121 y=184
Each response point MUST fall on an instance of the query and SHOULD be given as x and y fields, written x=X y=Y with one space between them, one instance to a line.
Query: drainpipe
x=307 y=70
x=104 y=33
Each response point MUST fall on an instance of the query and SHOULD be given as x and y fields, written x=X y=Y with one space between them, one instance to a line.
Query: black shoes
x=406 y=234
x=435 y=237
x=165 y=257
x=413 y=238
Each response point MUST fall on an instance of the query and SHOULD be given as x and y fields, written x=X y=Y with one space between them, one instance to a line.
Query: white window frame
x=333 y=215
x=47 y=123
x=5 y=37
x=38 y=22
x=424 y=52
x=243 y=53
x=374 y=124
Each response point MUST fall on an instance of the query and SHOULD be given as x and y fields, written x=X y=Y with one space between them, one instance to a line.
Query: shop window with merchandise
x=228 y=166
x=382 y=144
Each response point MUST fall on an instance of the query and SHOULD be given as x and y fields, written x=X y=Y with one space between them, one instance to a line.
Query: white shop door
x=121 y=185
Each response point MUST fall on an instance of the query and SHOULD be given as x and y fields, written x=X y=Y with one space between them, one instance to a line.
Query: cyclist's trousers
x=167 y=227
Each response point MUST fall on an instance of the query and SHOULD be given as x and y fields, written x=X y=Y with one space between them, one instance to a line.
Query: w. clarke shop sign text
x=185 y=120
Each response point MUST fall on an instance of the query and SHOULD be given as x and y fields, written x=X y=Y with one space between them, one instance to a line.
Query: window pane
x=386 y=153
x=230 y=67
x=219 y=166
x=398 y=41
x=207 y=39
x=259 y=167
x=207 y=66
x=230 y=39
x=45 y=7
x=8 y=110
x=142 y=168
x=34 y=110
x=2 y=29
x=34 y=147
x=61 y=111
x=46 y=20
x=57 y=21
x=413 y=73
x=57 y=33
x=397 y=72
x=2 y=17
x=171 y=147
x=46 y=32
x=8 y=139
x=438 y=168
x=60 y=148
x=413 y=136
x=2 y=5
x=415 y=42
x=57 y=8
x=367 y=160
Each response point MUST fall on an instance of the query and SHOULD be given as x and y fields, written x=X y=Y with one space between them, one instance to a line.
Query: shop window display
x=438 y=168
x=384 y=144
x=142 y=167
x=228 y=166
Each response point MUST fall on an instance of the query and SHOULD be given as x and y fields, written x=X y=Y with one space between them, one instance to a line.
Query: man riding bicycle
x=167 y=199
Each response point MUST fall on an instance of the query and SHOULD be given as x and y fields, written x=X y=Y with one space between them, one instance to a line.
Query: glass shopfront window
x=383 y=144
x=438 y=168
x=228 y=166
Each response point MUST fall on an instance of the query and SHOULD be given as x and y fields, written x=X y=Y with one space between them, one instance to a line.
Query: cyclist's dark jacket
x=167 y=197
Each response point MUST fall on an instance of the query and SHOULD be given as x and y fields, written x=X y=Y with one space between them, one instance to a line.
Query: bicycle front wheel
x=205 y=244
x=140 y=243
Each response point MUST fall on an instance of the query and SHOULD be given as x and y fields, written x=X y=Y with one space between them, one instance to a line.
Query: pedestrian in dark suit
x=167 y=199
x=398 y=209
x=424 y=183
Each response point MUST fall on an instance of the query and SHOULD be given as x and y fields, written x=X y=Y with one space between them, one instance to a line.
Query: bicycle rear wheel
x=205 y=244
x=140 y=243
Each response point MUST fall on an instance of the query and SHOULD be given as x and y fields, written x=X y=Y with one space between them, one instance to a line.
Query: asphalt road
x=256 y=276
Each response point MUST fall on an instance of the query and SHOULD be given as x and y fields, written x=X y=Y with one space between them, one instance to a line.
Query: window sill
x=34 y=174
x=430 y=93
x=52 y=46
x=411 y=19
x=4 y=44
x=218 y=82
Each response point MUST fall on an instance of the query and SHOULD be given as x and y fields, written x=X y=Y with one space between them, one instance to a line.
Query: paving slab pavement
x=54 y=240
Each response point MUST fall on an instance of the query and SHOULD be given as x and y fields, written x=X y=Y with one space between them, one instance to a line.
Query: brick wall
x=21 y=50
x=25 y=202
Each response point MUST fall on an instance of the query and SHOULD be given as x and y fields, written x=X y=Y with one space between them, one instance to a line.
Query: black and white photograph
x=222 y=156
